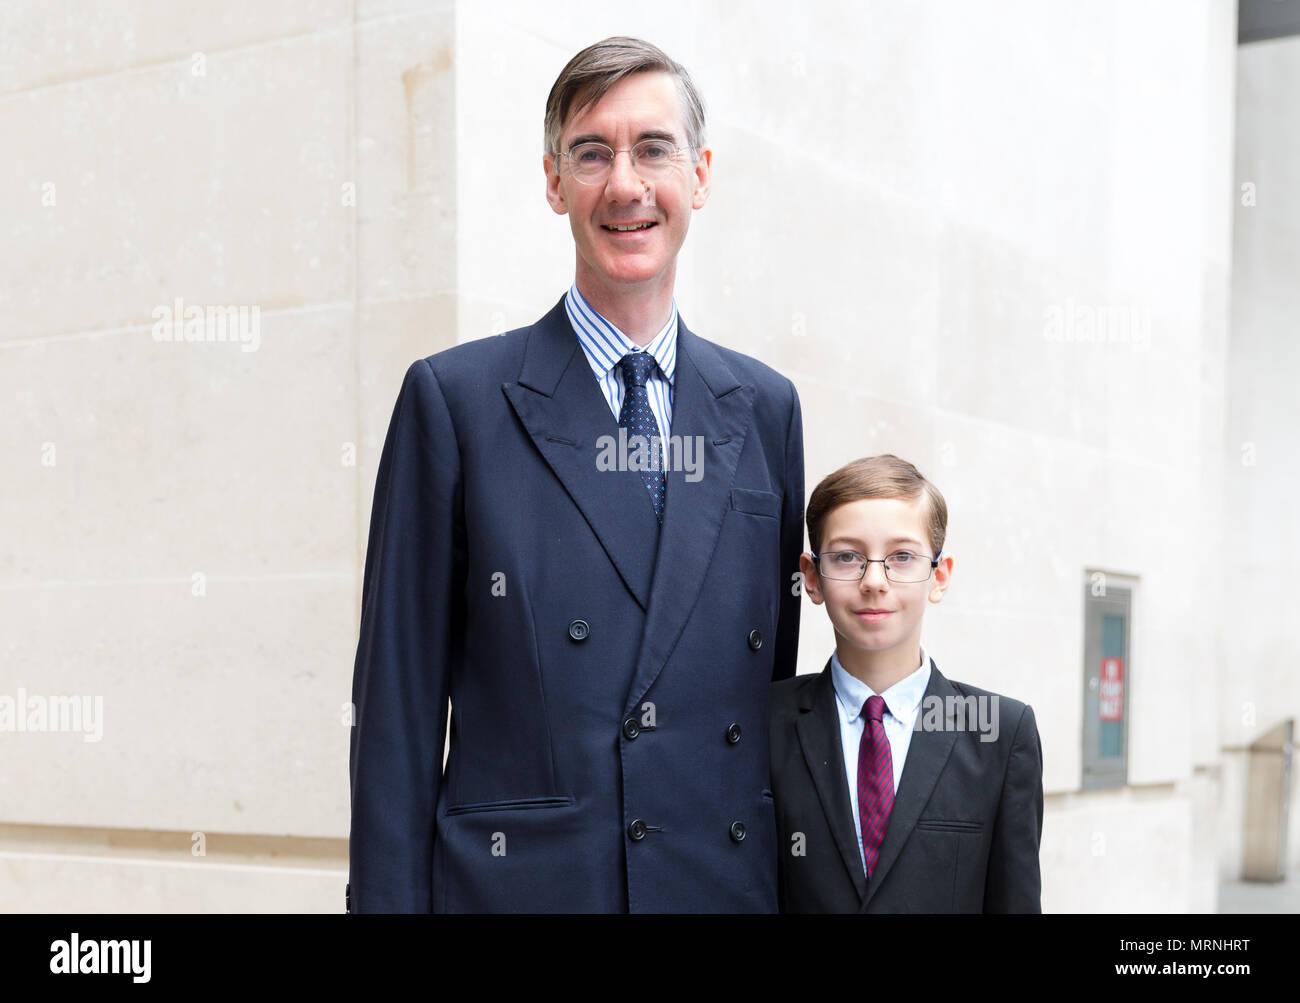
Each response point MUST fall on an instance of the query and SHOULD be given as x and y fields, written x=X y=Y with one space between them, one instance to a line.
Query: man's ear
x=554 y=191
x=703 y=178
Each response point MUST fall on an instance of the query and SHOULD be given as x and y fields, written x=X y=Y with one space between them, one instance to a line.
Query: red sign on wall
x=1110 y=696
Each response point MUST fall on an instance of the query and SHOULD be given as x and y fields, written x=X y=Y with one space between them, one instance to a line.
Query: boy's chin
x=873 y=646
x=870 y=640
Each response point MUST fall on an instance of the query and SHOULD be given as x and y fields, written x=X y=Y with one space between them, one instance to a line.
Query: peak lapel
x=561 y=405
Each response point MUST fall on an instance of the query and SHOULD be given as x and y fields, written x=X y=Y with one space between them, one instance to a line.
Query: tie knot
x=637 y=367
x=874 y=708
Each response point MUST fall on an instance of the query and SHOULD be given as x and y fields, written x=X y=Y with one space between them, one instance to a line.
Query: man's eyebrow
x=658 y=134
x=592 y=137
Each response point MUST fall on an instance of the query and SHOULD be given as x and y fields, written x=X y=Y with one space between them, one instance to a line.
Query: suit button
x=578 y=630
x=737 y=831
x=733 y=734
x=631 y=729
x=755 y=639
x=636 y=830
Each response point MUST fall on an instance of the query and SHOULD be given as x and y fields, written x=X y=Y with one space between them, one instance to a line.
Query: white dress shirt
x=902 y=701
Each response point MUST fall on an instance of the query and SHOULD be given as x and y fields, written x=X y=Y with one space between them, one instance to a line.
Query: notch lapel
x=818 y=729
x=561 y=406
x=926 y=755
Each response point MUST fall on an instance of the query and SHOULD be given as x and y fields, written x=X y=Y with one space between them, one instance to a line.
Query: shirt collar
x=604 y=344
x=902 y=700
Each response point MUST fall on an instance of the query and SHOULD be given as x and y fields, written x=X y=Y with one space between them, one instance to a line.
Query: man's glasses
x=902 y=567
x=652 y=159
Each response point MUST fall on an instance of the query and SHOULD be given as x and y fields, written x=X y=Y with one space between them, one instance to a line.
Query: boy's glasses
x=902 y=567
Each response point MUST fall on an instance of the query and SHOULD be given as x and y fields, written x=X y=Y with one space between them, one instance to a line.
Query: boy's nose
x=879 y=581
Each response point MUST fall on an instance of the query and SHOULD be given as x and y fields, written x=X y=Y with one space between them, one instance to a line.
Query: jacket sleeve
x=1012 y=882
x=791 y=589
x=411 y=611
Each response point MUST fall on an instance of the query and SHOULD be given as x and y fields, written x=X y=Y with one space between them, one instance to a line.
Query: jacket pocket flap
x=756 y=502
x=511 y=805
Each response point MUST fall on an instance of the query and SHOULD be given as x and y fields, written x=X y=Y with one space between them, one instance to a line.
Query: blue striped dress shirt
x=604 y=345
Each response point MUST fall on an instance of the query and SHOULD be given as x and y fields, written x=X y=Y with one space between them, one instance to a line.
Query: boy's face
x=875 y=614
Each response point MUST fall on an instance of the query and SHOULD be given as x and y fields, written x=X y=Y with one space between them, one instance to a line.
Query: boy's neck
x=880 y=669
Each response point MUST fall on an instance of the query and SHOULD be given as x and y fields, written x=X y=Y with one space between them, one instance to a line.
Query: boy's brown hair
x=884 y=476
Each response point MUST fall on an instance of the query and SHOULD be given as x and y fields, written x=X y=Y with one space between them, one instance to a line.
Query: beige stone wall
x=185 y=522
x=1260 y=684
x=904 y=198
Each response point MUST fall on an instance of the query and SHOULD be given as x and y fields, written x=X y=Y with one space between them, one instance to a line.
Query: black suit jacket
x=964 y=830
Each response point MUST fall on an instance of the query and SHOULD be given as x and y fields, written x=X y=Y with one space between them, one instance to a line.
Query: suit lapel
x=823 y=751
x=561 y=405
x=926 y=755
x=712 y=411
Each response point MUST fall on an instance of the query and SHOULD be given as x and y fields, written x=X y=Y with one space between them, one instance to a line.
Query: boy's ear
x=811 y=583
x=942 y=579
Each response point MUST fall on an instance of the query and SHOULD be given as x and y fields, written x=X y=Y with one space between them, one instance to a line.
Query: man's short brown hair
x=597 y=68
x=884 y=476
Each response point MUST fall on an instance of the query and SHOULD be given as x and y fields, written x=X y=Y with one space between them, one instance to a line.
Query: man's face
x=640 y=106
x=876 y=614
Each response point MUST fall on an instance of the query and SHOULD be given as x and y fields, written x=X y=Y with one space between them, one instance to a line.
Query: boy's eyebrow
x=859 y=545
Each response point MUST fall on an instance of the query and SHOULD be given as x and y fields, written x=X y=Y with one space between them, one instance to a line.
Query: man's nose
x=624 y=184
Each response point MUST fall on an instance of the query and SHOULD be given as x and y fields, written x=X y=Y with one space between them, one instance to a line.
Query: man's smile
x=628 y=227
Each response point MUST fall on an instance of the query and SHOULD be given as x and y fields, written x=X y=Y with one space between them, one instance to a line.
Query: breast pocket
x=756 y=502
x=949 y=825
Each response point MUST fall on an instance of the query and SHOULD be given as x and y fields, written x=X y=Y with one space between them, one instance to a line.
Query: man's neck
x=880 y=669
x=640 y=312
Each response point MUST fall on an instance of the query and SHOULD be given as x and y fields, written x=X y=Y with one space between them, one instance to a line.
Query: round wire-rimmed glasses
x=592 y=163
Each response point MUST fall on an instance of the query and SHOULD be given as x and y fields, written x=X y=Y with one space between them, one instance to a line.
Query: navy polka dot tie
x=638 y=419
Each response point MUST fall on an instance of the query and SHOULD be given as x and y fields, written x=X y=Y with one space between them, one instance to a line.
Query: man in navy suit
x=586 y=536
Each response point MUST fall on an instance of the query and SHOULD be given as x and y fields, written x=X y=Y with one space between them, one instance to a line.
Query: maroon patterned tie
x=875 y=780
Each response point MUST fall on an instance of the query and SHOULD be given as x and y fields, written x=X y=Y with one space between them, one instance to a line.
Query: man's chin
x=631 y=273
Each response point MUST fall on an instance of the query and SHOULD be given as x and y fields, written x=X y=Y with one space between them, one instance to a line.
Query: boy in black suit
x=896 y=789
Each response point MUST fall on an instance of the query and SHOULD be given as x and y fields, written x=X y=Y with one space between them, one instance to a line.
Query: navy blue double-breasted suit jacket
x=608 y=679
